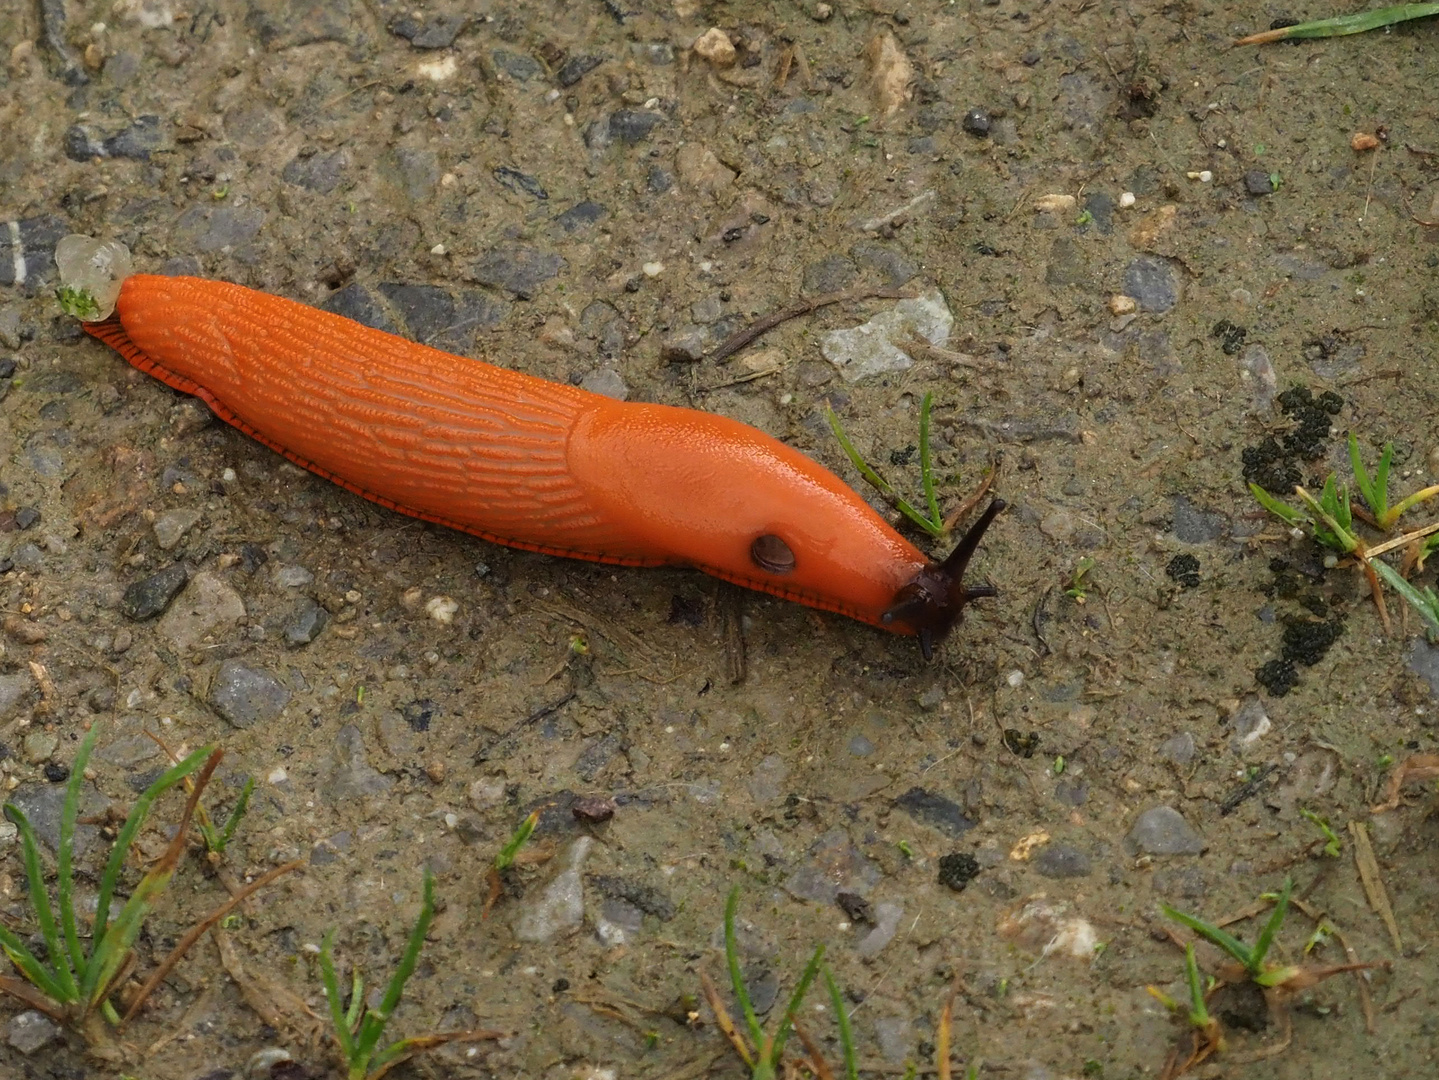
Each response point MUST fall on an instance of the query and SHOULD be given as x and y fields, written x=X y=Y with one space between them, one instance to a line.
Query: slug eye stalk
x=934 y=601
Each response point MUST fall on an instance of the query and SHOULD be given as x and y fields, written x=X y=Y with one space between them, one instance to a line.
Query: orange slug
x=533 y=464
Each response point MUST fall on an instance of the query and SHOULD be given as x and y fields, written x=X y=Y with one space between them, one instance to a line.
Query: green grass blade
x=30 y=966
x=736 y=976
x=108 y=955
x=332 y=997
x=65 y=869
x=357 y=1000
x=1370 y=490
x=1228 y=942
x=233 y=821
x=1360 y=22
x=926 y=470
x=1198 y=1010
x=1426 y=603
x=786 y=1024
x=506 y=856
x=111 y=877
x=1279 y=509
x=63 y=976
x=1271 y=927
x=841 y=1018
x=876 y=481
x=1381 y=477
x=373 y=1025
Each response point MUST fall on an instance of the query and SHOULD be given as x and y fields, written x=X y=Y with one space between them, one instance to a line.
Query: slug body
x=520 y=460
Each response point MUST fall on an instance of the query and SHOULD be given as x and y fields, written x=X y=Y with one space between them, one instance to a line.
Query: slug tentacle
x=934 y=601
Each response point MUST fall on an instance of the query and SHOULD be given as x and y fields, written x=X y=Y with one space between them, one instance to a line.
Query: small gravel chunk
x=576 y=68
x=1259 y=182
x=1153 y=282
x=977 y=122
x=516 y=267
x=14 y=688
x=633 y=125
x=150 y=596
x=887 y=916
x=1193 y=525
x=1162 y=830
x=581 y=215
x=208 y=603
x=171 y=526
x=30 y=1031
x=351 y=775
x=1179 y=748
x=246 y=696
x=562 y=905
x=436 y=32
x=1062 y=861
x=934 y=809
x=606 y=381
x=304 y=623
x=685 y=345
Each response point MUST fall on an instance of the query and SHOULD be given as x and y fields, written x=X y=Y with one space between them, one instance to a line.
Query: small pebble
x=1362 y=141
x=442 y=609
x=593 y=809
x=715 y=46
x=1126 y=200
x=435 y=770
x=977 y=122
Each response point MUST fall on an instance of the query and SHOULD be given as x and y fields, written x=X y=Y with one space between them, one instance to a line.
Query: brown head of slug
x=934 y=601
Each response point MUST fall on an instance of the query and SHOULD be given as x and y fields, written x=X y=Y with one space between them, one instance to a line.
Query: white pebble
x=1205 y=176
x=653 y=269
x=277 y=775
x=439 y=249
x=442 y=609
x=1015 y=678
x=1126 y=200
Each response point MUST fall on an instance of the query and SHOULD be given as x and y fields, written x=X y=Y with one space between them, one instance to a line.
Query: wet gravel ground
x=1131 y=241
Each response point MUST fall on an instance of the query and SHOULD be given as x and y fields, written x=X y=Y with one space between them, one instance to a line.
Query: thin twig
x=738 y=340
x=198 y=929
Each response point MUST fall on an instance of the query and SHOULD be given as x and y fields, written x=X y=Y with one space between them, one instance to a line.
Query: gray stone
x=14 y=689
x=685 y=345
x=1062 y=861
x=150 y=596
x=437 y=32
x=1162 y=830
x=39 y=746
x=30 y=1031
x=618 y=923
x=832 y=865
x=1259 y=182
x=1180 y=883
x=893 y=267
x=521 y=183
x=10 y=330
x=516 y=65
x=436 y=318
x=606 y=381
x=581 y=215
x=859 y=746
x=1265 y=382
x=415 y=172
x=1152 y=282
x=647 y=898
x=596 y=756
x=767 y=780
x=208 y=603
x=304 y=623
x=562 y=905
x=42 y=805
x=38 y=237
x=1178 y=748
x=320 y=173
x=518 y=268
x=351 y=775
x=210 y=228
x=576 y=68
x=632 y=125
x=136 y=142
x=1423 y=660
x=356 y=302
x=246 y=696
x=292 y=577
x=886 y=925
x=1071 y=791
x=933 y=809
x=171 y=526
x=833 y=273
x=659 y=180
x=43 y=456
x=289 y=24
x=28 y=557
x=127 y=751
x=1195 y=526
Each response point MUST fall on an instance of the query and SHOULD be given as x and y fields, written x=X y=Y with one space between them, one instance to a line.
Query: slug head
x=934 y=601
